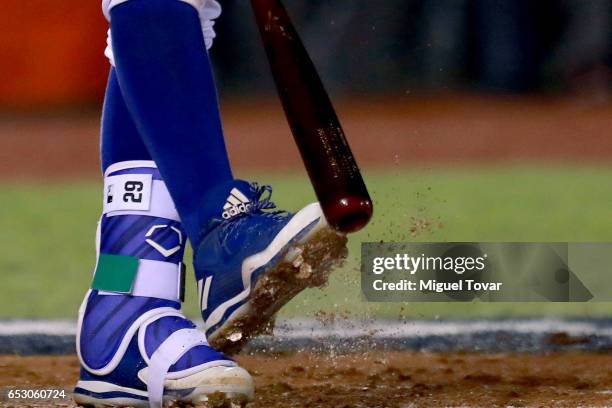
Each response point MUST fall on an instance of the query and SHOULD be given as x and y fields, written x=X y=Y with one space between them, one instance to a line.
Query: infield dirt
x=385 y=379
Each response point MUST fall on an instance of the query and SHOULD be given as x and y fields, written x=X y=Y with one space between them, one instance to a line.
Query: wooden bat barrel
x=330 y=164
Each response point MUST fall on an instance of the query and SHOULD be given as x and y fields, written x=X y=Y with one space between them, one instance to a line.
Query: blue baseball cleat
x=141 y=351
x=135 y=346
x=253 y=259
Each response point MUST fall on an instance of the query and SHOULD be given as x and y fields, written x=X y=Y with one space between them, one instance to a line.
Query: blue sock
x=140 y=233
x=166 y=79
x=120 y=140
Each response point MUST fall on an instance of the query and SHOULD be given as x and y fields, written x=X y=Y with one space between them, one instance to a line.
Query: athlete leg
x=166 y=78
x=135 y=346
x=240 y=242
x=119 y=139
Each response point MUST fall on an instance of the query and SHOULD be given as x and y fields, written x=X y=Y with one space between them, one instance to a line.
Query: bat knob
x=348 y=213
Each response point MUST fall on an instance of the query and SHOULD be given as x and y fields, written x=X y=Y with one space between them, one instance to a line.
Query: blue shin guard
x=135 y=346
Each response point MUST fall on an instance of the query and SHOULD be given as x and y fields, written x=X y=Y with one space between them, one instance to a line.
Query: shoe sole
x=305 y=264
x=217 y=399
x=211 y=387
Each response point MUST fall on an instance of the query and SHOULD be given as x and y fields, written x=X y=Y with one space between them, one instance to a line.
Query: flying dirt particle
x=325 y=318
x=234 y=337
x=420 y=225
x=268 y=329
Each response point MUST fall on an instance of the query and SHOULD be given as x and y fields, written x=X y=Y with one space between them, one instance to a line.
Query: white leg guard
x=208 y=10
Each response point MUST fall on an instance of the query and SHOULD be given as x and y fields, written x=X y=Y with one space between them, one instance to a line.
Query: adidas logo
x=237 y=203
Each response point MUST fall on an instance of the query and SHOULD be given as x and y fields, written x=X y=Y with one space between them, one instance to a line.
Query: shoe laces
x=262 y=201
x=261 y=205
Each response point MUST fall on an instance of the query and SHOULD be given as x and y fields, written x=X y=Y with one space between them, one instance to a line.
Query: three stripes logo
x=237 y=203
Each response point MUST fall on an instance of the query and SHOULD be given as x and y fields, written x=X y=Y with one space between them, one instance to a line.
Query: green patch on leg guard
x=115 y=273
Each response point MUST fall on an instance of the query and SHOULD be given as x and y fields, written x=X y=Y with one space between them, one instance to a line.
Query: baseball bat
x=327 y=156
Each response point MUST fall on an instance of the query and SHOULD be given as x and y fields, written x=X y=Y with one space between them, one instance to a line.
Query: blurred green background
x=47 y=235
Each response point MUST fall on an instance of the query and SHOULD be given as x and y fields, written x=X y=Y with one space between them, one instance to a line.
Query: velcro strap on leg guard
x=168 y=353
x=140 y=277
x=115 y=273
